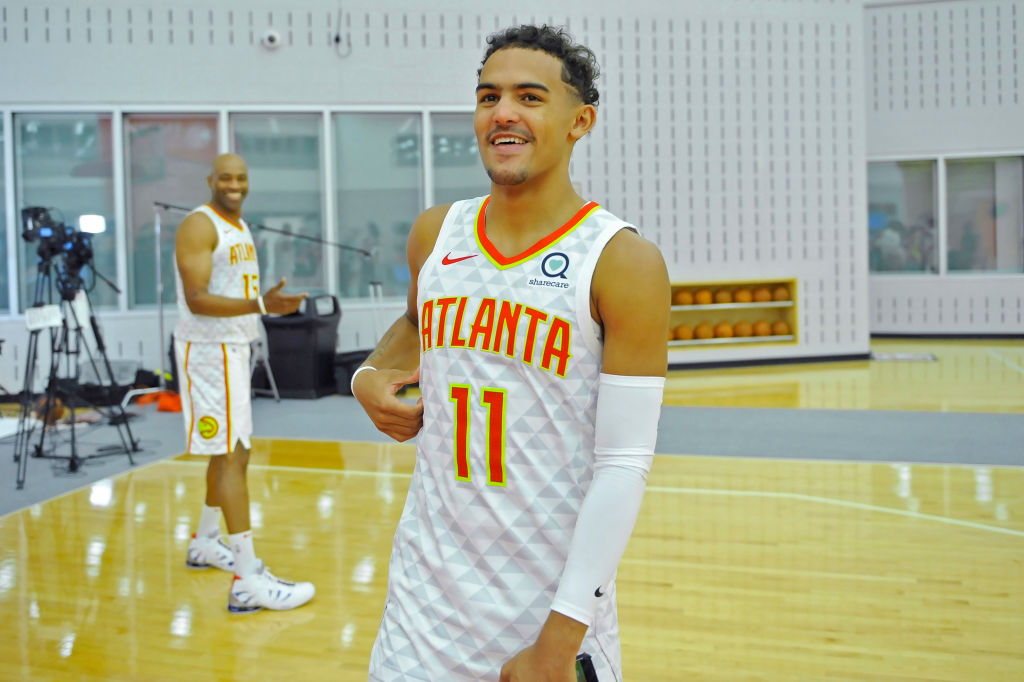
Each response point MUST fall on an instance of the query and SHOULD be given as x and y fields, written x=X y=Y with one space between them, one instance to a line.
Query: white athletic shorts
x=216 y=395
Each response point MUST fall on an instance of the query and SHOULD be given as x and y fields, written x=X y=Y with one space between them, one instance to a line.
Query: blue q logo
x=555 y=265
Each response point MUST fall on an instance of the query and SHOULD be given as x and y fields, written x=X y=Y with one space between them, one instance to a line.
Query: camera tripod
x=67 y=341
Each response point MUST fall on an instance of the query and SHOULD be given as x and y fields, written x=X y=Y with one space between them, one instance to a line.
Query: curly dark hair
x=579 y=65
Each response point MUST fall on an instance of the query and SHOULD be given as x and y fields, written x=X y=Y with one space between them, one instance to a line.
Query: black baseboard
x=947 y=337
x=853 y=357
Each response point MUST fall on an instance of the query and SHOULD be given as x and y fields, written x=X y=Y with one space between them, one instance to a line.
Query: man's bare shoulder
x=196 y=230
x=424 y=232
x=630 y=275
x=627 y=250
x=432 y=219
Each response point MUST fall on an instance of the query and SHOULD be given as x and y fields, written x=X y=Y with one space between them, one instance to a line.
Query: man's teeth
x=507 y=140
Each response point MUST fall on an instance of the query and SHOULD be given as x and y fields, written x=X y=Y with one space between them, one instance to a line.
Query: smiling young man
x=219 y=297
x=535 y=327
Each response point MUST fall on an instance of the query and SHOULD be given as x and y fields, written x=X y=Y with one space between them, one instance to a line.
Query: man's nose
x=506 y=111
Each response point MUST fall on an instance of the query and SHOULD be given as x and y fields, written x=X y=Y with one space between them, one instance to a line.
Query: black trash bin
x=301 y=348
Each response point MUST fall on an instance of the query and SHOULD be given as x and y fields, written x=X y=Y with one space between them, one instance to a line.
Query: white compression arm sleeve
x=628 y=409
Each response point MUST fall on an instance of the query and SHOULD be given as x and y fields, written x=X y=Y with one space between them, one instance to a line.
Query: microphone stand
x=161 y=386
x=317 y=240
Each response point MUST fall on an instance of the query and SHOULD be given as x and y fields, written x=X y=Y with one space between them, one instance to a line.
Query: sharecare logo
x=534 y=282
x=555 y=265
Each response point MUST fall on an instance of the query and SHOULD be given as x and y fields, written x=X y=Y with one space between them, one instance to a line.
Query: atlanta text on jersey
x=493 y=328
x=242 y=252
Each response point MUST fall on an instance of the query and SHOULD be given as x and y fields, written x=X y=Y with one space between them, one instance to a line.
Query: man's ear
x=586 y=117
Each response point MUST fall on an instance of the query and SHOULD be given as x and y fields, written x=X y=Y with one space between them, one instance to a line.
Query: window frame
x=941 y=209
x=119 y=116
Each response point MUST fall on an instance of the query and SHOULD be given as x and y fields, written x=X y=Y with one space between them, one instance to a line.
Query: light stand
x=161 y=381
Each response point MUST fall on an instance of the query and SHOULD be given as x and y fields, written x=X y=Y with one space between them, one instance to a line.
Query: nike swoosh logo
x=448 y=260
x=598 y=593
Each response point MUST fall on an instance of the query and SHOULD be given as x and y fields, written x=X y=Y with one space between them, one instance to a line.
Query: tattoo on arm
x=389 y=335
x=389 y=338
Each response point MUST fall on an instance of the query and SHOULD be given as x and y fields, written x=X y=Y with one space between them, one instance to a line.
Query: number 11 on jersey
x=493 y=400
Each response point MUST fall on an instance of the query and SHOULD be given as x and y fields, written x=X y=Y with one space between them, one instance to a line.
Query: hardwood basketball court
x=739 y=568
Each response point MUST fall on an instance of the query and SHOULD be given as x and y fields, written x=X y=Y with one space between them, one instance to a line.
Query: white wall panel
x=771 y=169
x=971 y=305
x=732 y=132
x=945 y=78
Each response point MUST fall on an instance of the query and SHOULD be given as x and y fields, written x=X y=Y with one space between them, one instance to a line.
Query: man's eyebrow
x=518 y=86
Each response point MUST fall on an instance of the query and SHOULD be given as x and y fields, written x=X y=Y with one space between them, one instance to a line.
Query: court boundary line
x=745 y=569
x=687 y=491
x=1009 y=363
x=840 y=503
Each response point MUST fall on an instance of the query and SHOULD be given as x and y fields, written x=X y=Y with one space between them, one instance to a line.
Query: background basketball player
x=218 y=288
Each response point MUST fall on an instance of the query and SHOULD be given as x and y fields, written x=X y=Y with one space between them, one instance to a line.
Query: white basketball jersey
x=509 y=365
x=235 y=274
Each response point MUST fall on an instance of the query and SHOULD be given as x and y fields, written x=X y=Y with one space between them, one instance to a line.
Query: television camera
x=58 y=239
x=63 y=252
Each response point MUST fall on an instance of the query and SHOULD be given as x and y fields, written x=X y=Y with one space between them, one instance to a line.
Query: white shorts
x=216 y=395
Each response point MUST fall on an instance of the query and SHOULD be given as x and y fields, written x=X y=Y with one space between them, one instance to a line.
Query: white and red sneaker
x=209 y=552
x=263 y=590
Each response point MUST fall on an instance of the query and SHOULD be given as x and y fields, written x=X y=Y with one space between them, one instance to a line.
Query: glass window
x=458 y=171
x=985 y=214
x=63 y=163
x=379 y=190
x=168 y=160
x=4 y=307
x=283 y=152
x=901 y=216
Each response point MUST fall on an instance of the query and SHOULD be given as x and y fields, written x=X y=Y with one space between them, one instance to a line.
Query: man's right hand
x=279 y=303
x=376 y=391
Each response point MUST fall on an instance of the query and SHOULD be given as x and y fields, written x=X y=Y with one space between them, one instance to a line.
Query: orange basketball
x=52 y=415
x=762 y=294
x=743 y=296
x=671 y=334
x=780 y=328
x=781 y=293
x=704 y=330
x=723 y=296
x=683 y=332
x=682 y=297
x=723 y=330
x=743 y=329
x=702 y=296
x=762 y=328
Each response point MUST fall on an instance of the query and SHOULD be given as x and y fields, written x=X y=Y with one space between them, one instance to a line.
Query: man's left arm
x=631 y=299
